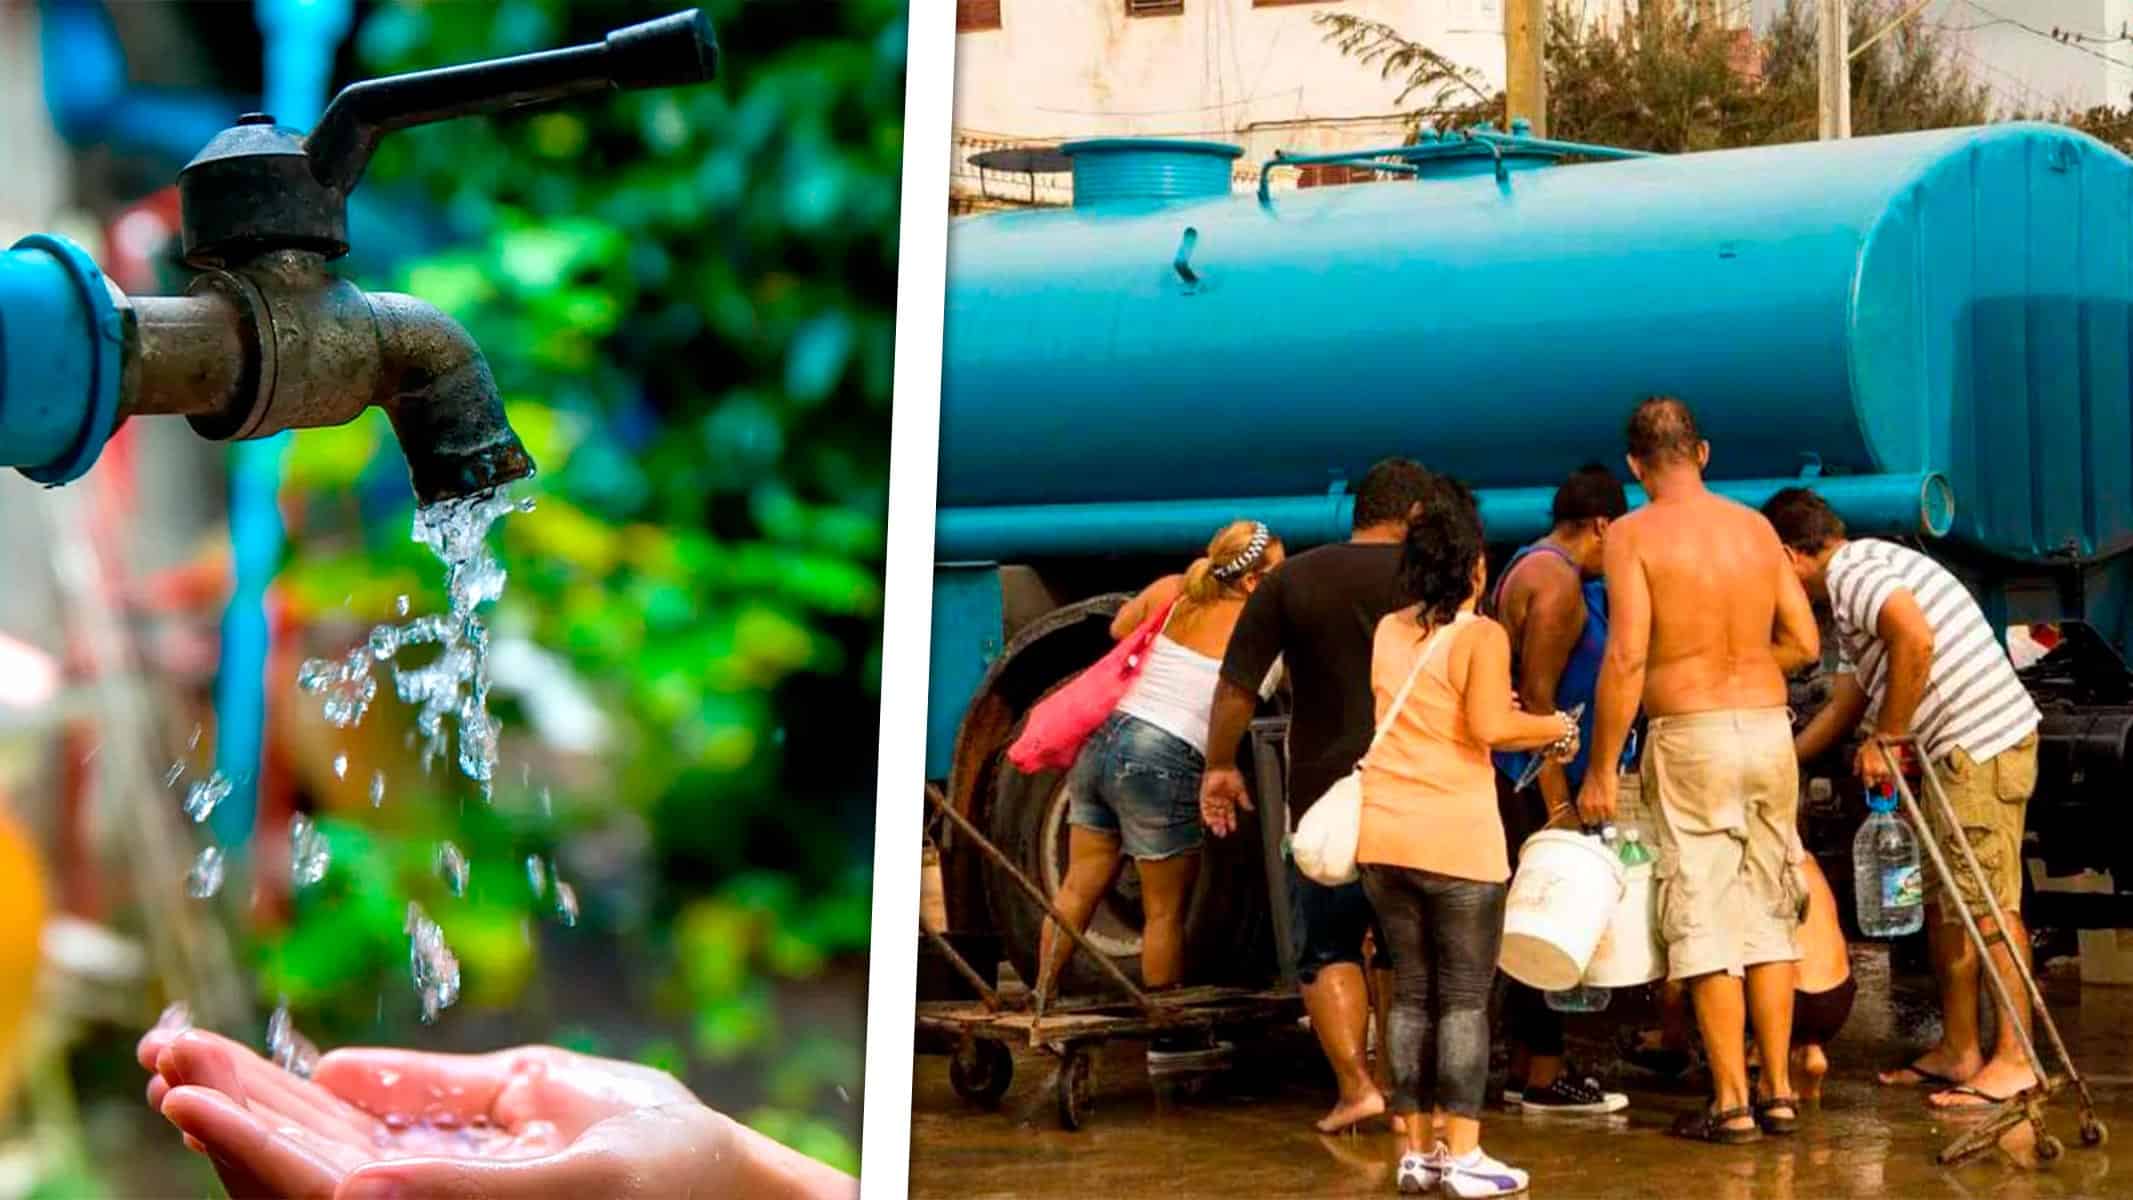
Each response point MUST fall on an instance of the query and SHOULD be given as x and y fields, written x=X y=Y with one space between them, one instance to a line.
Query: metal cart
x=982 y=1064
x=2027 y=1106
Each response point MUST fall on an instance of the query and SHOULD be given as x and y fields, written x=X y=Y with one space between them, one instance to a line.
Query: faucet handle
x=259 y=187
x=667 y=52
x=671 y=51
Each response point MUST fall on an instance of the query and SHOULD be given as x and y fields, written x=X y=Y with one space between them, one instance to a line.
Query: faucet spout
x=435 y=386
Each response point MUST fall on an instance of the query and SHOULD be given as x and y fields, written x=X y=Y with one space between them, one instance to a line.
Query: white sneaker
x=1476 y=1174
x=1417 y=1175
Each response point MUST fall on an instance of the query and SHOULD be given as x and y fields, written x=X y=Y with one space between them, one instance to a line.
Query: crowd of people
x=1658 y=641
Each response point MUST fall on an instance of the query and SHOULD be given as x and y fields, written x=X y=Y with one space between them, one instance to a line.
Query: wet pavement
x=1249 y=1132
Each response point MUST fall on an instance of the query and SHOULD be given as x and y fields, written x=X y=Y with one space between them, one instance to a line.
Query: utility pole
x=1834 y=69
x=1525 y=36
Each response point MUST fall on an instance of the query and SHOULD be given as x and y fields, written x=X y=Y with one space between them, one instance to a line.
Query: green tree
x=1670 y=81
x=687 y=298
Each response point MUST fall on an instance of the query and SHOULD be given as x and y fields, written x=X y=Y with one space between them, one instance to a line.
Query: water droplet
x=452 y=866
x=309 y=853
x=398 y=1122
x=202 y=797
x=290 y=1050
x=536 y=876
x=205 y=879
x=387 y=1078
x=400 y=604
x=566 y=903
x=176 y=772
x=547 y=803
x=377 y=789
x=431 y=963
x=843 y=1095
x=340 y=766
x=193 y=743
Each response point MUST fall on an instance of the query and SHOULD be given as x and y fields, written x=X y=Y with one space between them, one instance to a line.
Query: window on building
x=1154 y=8
x=975 y=16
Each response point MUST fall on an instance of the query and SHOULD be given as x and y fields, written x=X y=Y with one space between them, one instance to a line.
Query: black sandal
x=1704 y=1125
x=1778 y=1126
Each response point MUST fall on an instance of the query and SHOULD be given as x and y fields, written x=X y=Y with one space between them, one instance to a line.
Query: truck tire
x=1228 y=937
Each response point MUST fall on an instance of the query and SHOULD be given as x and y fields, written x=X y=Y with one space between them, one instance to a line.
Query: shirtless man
x=1706 y=618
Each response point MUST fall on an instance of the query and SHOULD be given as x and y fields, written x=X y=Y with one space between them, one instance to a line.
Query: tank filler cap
x=1122 y=170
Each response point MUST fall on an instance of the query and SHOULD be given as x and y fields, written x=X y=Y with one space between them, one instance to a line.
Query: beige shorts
x=1724 y=791
x=1990 y=800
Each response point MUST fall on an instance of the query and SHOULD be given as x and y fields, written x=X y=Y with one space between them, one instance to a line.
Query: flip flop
x=1925 y=1078
x=1703 y=1125
x=1985 y=1099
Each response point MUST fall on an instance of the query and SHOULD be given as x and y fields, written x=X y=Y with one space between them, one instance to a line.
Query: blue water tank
x=1950 y=304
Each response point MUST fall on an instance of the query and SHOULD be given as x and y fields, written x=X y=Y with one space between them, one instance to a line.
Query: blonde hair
x=1238 y=551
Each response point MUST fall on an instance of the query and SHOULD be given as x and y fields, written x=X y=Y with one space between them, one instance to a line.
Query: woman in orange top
x=1431 y=846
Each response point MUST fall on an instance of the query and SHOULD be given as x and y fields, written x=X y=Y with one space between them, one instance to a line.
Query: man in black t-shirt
x=1318 y=613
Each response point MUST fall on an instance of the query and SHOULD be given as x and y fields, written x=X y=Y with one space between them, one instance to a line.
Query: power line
x=2046 y=34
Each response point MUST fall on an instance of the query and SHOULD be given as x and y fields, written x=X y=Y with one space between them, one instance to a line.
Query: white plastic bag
x=1325 y=840
x=1324 y=843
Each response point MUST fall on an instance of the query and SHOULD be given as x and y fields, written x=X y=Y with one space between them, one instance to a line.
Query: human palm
x=535 y=1121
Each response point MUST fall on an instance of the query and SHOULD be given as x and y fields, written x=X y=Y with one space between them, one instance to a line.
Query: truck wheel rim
x=1107 y=931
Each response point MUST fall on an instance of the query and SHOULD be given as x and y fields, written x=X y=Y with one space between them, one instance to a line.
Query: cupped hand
x=537 y=1121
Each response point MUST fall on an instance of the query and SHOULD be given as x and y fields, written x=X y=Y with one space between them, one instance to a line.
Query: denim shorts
x=1142 y=785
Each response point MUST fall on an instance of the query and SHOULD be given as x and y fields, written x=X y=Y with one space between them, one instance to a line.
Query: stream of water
x=450 y=691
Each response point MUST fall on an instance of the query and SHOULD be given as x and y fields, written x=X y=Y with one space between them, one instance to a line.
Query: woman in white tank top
x=1134 y=792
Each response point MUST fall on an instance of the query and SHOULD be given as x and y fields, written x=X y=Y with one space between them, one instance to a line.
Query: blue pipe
x=300 y=39
x=1887 y=505
x=60 y=344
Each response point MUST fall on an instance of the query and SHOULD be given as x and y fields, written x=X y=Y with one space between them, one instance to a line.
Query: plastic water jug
x=1886 y=876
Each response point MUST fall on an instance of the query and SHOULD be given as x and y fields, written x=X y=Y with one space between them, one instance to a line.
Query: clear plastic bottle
x=1633 y=851
x=1887 y=880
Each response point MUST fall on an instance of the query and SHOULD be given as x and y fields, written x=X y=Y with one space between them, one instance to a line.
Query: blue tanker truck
x=1930 y=329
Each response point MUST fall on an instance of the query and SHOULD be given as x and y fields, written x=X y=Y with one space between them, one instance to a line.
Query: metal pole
x=1833 y=70
x=1044 y=903
x=1970 y=925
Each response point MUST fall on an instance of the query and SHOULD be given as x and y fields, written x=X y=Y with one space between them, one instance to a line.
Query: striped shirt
x=1973 y=701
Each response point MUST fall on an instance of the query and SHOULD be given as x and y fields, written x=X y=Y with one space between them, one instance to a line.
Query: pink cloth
x=1053 y=735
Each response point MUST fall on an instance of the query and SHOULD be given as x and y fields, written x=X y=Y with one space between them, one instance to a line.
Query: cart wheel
x=1074 y=1071
x=2049 y=1149
x=2094 y=1133
x=981 y=1071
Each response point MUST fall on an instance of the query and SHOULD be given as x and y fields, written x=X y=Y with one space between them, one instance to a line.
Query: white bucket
x=1566 y=891
x=1629 y=952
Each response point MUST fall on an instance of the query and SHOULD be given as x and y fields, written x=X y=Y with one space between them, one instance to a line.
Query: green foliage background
x=686 y=297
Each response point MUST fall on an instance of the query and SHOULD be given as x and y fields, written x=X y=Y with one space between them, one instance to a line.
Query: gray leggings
x=1444 y=934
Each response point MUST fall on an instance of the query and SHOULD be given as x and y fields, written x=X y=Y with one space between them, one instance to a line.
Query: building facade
x=1259 y=73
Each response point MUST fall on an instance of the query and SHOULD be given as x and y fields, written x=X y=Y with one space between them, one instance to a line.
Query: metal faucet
x=266 y=338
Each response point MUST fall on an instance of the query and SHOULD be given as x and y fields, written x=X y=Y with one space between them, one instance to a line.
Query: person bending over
x=1705 y=618
x=1134 y=791
x=1920 y=660
x=1317 y=617
x=1431 y=847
